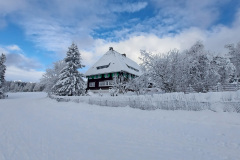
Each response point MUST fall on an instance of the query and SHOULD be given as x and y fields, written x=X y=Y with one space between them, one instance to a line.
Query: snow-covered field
x=34 y=127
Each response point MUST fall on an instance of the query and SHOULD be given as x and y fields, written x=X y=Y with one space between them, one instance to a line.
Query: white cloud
x=54 y=29
x=132 y=46
x=21 y=61
x=13 y=48
x=214 y=40
x=129 y=7
x=20 y=67
x=16 y=57
x=14 y=73
x=189 y=12
x=10 y=6
x=3 y=22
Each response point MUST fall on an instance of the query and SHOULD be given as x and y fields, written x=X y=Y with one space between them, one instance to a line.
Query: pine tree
x=70 y=81
x=2 y=75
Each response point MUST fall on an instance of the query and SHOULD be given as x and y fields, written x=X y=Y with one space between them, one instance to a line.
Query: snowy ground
x=33 y=127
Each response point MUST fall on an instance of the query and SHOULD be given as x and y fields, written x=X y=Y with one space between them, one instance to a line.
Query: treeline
x=18 y=86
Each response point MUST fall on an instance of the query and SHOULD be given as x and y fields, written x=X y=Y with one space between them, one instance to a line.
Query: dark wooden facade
x=102 y=78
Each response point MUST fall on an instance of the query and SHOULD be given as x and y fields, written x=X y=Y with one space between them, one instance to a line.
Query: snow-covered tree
x=119 y=85
x=175 y=72
x=70 y=81
x=38 y=87
x=2 y=76
x=19 y=86
x=29 y=87
x=202 y=74
x=163 y=69
x=234 y=53
x=225 y=69
x=138 y=84
x=50 y=78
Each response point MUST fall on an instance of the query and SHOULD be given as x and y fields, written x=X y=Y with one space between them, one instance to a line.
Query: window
x=104 y=66
x=92 y=84
x=105 y=83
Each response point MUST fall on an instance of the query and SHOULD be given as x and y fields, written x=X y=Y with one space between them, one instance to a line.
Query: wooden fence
x=218 y=88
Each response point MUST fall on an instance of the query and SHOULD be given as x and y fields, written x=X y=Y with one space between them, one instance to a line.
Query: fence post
x=238 y=85
x=190 y=89
x=219 y=88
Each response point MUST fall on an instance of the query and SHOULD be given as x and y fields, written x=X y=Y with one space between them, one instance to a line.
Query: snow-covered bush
x=215 y=101
x=138 y=84
x=119 y=85
x=114 y=91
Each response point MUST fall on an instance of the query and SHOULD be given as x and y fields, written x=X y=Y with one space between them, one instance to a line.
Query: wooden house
x=111 y=65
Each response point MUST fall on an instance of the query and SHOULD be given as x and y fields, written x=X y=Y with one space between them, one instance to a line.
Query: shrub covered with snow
x=215 y=101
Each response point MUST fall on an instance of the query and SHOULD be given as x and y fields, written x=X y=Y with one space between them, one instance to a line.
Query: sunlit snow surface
x=34 y=127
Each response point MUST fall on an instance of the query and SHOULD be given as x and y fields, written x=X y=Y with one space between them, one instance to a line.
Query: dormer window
x=132 y=68
x=104 y=66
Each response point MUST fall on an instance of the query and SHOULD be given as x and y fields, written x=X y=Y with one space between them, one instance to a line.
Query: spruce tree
x=2 y=75
x=70 y=81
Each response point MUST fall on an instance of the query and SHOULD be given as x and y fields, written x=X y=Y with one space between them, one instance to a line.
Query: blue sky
x=35 y=33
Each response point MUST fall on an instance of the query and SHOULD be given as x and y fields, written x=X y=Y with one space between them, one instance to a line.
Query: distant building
x=112 y=64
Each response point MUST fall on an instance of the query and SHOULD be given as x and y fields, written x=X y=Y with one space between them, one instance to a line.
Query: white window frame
x=105 y=83
x=91 y=84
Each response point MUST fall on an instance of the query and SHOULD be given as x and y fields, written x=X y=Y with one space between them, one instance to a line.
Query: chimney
x=110 y=48
x=124 y=55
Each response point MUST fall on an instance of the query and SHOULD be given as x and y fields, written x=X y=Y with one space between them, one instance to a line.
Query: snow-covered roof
x=111 y=62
